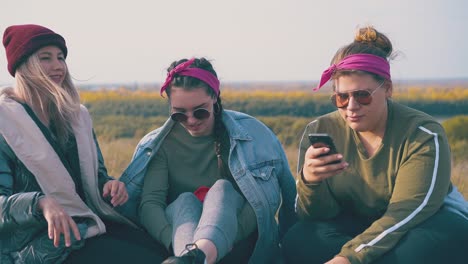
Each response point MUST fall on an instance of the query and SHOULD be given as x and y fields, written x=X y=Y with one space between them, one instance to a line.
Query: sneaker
x=193 y=256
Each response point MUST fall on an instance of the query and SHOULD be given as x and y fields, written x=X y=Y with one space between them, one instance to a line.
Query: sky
x=246 y=40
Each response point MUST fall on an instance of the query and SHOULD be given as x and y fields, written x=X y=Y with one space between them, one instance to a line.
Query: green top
x=400 y=186
x=183 y=164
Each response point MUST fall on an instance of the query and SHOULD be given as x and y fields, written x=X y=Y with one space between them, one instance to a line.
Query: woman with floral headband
x=386 y=196
x=213 y=178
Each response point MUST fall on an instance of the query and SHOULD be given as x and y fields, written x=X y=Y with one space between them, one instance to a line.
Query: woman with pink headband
x=386 y=195
x=210 y=181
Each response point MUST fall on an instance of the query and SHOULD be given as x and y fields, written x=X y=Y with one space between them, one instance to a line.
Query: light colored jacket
x=30 y=168
x=259 y=166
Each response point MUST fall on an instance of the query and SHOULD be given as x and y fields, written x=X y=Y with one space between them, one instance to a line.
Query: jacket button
x=148 y=153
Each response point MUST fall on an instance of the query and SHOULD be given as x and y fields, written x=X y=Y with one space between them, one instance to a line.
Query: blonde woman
x=56 y=199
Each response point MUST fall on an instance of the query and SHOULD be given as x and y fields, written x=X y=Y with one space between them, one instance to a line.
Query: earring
x=216 y=108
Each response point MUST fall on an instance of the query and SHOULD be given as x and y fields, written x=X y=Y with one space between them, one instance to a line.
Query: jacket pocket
x=267 y=182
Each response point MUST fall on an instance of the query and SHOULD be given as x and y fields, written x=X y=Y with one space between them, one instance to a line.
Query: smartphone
x=324 y=140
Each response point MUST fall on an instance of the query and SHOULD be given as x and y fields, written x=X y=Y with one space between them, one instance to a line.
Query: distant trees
x=264 y=103
x=125 y=113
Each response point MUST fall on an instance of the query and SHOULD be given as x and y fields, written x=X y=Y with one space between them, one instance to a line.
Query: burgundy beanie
x=21 y=41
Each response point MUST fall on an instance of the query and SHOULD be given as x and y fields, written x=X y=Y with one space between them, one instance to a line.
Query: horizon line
x=247 y=82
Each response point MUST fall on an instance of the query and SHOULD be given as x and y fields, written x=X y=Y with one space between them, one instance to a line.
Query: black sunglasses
x=363 y=97
x=199 y=113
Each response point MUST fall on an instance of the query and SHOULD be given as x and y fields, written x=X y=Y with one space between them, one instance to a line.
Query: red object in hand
x=201 y=192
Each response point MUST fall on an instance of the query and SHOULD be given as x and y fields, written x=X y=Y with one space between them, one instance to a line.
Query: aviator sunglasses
x=199 y=113
x=363 y=97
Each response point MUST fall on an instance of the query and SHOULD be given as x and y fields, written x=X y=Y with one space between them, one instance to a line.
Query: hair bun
x=370 y=37
x=367 y=34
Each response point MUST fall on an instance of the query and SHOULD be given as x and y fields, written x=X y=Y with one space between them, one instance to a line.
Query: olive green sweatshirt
x=400 y=186
x=182 y=164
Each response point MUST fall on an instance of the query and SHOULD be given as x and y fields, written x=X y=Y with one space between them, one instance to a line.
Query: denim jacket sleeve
x=133 y=176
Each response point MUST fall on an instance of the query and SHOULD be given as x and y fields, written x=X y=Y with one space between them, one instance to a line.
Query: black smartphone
x=324 y=140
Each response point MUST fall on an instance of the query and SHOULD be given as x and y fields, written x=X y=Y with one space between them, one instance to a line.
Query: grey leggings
x=215 y=219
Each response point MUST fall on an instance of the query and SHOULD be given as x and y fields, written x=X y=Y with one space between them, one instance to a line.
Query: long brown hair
x=189 y=83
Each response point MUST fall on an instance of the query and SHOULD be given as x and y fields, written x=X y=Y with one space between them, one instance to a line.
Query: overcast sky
x=247 y=40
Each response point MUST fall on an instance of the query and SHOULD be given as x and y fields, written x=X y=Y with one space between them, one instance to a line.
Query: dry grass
x=460 y=177
x=118 y=153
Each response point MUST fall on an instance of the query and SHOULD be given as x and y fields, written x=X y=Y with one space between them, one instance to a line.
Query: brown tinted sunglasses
x=363 y=97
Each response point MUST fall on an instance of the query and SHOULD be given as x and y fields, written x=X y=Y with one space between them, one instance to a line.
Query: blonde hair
x=59 y=104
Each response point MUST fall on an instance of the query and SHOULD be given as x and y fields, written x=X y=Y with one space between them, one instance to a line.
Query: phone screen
x=324 y=140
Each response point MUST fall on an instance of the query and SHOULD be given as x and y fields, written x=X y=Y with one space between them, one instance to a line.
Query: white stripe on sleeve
x=420 y=207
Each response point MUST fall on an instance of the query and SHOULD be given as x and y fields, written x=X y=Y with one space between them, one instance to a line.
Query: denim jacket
x=257 y=163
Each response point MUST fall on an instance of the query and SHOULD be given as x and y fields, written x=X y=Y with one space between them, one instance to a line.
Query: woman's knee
x=224 y=192
x=440 y=238
x=222 y=185
x=312 y=242
x=186 y=200
x=299 y=240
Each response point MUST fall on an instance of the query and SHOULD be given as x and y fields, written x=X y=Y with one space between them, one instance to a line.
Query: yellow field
x=118 y=153
x=117 y=111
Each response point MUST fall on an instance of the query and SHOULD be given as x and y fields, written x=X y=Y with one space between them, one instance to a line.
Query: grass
x=460 y=177
x=118 y=153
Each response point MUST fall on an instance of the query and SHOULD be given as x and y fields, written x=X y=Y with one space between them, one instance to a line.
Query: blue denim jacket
x=257 y=163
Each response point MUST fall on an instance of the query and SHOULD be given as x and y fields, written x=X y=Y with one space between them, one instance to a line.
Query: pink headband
x=365 y=62
x=184 y=70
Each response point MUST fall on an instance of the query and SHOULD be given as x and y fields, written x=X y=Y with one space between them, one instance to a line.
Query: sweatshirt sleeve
x=153 y=200
x=422 y=182
x=314 y=201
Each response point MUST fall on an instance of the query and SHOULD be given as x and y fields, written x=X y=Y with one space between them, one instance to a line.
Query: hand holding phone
x=324 y=140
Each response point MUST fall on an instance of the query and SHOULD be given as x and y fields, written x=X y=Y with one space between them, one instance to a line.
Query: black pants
x=241 y=251
x=120 y=244
x=443 y=238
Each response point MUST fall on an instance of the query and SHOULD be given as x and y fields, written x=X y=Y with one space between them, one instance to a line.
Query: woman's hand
x=117 y=191
x=58 y=221
x=338 y=260
x=317 y=169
